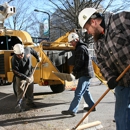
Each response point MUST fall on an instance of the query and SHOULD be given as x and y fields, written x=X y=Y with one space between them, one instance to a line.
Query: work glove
x=29 y=79
x=39 y=59
x=23 y=84
x=23 y=81
x=69 y=77
x=112 y=83
x=72 y=77
x=74 y=73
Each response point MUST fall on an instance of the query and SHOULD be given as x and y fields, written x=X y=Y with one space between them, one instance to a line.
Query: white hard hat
x=84 y=15
x=18 y=48
x=72 y=36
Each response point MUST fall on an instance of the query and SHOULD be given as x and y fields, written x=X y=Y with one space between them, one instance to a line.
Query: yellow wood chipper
x=56 y=56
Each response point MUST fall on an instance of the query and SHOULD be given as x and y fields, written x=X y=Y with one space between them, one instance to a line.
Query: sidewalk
x=95 y=81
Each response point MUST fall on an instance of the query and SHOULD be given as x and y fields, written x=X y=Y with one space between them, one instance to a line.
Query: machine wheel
x=57 y=88
x=4 y=82
x=14 y=86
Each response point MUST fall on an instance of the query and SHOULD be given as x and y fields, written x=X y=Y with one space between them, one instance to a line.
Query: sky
x=44 y=5
x=117 y=3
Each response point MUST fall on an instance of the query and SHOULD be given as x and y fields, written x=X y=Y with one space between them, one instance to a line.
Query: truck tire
x=57 y=88
x=14 y=86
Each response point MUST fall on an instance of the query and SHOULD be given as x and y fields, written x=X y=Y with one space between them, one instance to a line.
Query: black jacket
x=22 y=68
x=83 y=63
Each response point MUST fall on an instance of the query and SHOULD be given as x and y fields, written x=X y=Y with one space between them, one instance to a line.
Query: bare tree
x=22 y=16
x=64 y=14
x=122 y=5
x=67 y=11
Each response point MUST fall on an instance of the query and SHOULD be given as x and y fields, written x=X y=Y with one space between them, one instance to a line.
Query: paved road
x=48 y=114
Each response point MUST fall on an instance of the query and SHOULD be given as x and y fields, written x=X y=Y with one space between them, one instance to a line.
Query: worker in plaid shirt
x=111 y=33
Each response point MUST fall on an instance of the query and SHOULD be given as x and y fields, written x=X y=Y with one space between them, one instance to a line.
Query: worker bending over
x=22 y=69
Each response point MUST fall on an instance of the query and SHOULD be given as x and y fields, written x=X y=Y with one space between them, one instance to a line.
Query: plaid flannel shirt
x=113 y=49
x=83 y=63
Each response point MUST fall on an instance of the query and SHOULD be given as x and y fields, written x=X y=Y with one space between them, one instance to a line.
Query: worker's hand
x=72 y=76
x=112 y=83
x=39 y=59
x=23 y=81
x=74 y=73
x=29 y=79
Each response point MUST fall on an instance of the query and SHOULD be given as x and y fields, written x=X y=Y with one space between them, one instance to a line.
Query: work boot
x=19 y=108
x=68 y=112
x=88 y=108
x=31 y=105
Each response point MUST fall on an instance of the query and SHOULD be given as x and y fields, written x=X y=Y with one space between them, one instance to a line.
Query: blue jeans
x=122 y=108
x=81 y=90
